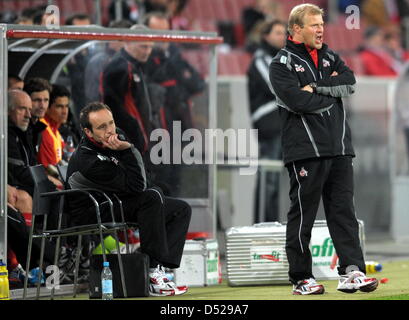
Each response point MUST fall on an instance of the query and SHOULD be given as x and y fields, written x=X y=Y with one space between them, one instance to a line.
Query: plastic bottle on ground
x=106 y=282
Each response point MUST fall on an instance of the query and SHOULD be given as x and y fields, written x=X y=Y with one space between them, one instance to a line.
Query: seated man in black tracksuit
x=112 y=165
x=309 y=81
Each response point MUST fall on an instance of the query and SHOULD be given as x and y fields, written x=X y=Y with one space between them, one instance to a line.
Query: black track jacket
x=313 y=124
x=119 y=172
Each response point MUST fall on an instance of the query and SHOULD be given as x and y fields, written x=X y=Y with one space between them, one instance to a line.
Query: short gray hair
x=12 y=97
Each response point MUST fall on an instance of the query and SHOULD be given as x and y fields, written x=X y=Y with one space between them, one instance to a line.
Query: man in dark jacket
x=21 y=153
x=309 y=81
x=20 y=157
x=181 y=81
x=125 y=91
x=106 y=160
x=264 y=115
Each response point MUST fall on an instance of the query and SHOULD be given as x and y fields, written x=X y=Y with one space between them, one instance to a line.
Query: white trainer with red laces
x=308 y=286
x=357 y=280
x=161 y=286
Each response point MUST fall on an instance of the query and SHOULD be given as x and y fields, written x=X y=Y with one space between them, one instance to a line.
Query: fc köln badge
x=303 y=172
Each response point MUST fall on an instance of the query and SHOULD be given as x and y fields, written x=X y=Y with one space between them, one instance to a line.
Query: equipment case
x=200 y=264
x=255 y=255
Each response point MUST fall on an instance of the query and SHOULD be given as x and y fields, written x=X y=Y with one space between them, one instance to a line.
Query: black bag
x=136 y=272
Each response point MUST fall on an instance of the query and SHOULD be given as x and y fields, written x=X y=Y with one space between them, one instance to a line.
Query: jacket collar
x=25 y=136
x=12 y=126
x=54 y=125
x=131 y=59
x=301 y=48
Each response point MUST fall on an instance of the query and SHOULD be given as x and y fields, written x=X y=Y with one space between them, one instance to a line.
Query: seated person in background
x=39 y=90
x=105 y=160
x=61 y=96
x=21 y=154
x=50 y=152
x=15 y=82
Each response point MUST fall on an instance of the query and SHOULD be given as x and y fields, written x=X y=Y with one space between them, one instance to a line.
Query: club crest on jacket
x=303 y=172
x=299 y=68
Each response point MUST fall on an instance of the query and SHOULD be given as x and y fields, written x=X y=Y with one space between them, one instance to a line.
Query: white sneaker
x=356 y=280
x=161 y=286
x=308 y=286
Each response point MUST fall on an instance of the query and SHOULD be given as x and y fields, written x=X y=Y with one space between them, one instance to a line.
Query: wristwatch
x=313 y=85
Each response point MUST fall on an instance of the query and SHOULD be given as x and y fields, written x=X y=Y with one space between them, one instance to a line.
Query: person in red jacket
x=51 y=149
x=376 y=60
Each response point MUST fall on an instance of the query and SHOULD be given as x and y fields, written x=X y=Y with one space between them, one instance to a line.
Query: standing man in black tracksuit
x=309 y=81
x=105 y=162
x=264 y=115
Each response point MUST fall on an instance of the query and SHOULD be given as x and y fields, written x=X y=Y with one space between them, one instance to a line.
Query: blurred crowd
x=383 y=30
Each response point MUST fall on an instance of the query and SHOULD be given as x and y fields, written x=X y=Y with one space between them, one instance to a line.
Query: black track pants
x=331 y=179
x=163 y=224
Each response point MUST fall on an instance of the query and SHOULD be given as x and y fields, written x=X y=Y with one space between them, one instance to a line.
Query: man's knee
x=154 y=196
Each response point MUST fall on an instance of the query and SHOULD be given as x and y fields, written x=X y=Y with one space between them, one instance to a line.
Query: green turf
x=397 y=297
x=397 y=288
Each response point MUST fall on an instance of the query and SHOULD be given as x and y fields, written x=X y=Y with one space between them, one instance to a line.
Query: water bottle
x=4 y=282
x=69 y=148
x=106 y=281
x=373 y=267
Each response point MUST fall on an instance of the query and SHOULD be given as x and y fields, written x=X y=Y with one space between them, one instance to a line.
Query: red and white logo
x=303 y=172
x=299 y=68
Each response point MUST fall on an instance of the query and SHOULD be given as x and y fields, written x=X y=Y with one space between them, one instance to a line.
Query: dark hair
x=58 y=91
x=121 y=24
x=91 y=107
x=36 y=85
x=268 y=26
x=38 y=17
x=30 y=12
x=15 y=77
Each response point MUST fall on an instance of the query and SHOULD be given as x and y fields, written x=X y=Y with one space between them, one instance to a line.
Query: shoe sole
x=179 y=292
x=167 y=294
x=348 y=290
x=319 y=291
x=370 y=286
